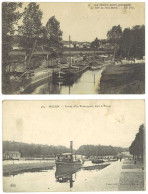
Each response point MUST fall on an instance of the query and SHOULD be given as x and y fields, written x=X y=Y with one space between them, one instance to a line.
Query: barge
x=69 y=75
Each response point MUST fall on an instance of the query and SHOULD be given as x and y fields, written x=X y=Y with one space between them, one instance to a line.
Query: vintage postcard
x=85 y=145
x=73 y=48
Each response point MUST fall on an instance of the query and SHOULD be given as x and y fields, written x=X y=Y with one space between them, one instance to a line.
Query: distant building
x=11 y=155
x=86 y=45
x=67 y=45
x=108 y=157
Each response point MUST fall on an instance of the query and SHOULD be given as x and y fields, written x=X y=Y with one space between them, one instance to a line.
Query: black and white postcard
x=83 y=145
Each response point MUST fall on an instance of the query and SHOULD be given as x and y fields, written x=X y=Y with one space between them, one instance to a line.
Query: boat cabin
x=65 y=157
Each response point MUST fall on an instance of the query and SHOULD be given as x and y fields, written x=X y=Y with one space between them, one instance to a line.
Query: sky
x=86 y=21
x=40 y=122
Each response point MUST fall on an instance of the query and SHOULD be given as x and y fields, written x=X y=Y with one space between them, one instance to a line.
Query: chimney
x=71 y=146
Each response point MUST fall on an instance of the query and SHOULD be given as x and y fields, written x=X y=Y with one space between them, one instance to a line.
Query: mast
x=71 y=146
x=71 y=149
x=69 y=52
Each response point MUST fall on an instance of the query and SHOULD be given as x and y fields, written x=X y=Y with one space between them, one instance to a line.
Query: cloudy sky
x=116 y=124
x=85 y=21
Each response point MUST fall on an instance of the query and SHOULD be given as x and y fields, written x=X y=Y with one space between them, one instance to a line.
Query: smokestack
x=71 y=146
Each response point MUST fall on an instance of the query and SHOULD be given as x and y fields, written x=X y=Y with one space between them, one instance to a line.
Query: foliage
x=54 y=33
x=31 y=29
x=98 y=150
x=95 y=44
x=137 y=146
x=37 y=150
x=129 y=43
x=34 y=150
x=114 y=37
x=10 y=18
x=133 y=42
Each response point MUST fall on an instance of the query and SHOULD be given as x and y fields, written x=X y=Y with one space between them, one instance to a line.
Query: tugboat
x=67 y=163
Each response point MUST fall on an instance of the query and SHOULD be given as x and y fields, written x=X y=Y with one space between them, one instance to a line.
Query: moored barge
x=69 y=74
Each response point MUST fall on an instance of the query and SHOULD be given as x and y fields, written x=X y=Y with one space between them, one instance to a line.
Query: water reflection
x=88 y=83
x=51 y=180
x=64 y=178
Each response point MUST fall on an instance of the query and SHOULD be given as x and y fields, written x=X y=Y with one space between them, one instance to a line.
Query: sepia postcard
x=85 y=145
x=73 y=48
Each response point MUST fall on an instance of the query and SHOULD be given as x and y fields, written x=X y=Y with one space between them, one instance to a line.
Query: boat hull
x=66 y=168
x=97 y=161
x=69 y=76
x=96 y=67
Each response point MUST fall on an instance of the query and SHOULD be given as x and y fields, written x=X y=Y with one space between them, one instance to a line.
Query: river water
x=6 y=162
x=49 y=181
x=88 y=83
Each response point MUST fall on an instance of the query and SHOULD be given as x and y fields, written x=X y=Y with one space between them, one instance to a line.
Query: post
x=94 y=79
x=71 y=149
x=47 y=61
x=71 y=146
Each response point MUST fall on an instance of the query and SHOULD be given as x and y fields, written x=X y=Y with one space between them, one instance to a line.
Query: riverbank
x=118 y=176
x=107 y=179
x=26 y=84
x=12 y=169
x=123 y=79
x=132 y=177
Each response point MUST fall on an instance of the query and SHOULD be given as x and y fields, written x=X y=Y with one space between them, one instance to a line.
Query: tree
x=137 y=146
x=133 y=42
x=10 y=17
x=34 y=150
x=31 y=29
x=114 y=37
x=99 y=150
x=138 y=46
x=126 y=42
x=95 y=44
x=54 y=33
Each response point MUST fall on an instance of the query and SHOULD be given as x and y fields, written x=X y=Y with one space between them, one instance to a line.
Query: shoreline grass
x=123 y=79
x=12 y=169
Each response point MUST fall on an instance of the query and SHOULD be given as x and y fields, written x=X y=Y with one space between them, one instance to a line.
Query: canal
x=88 y=83
x=50 y=180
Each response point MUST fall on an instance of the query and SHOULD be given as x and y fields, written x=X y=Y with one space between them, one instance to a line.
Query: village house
x=11 y=155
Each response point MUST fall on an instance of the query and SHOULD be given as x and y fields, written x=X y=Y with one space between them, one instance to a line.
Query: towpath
x=106 y=180
x=119 y=176
x=132 y=176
